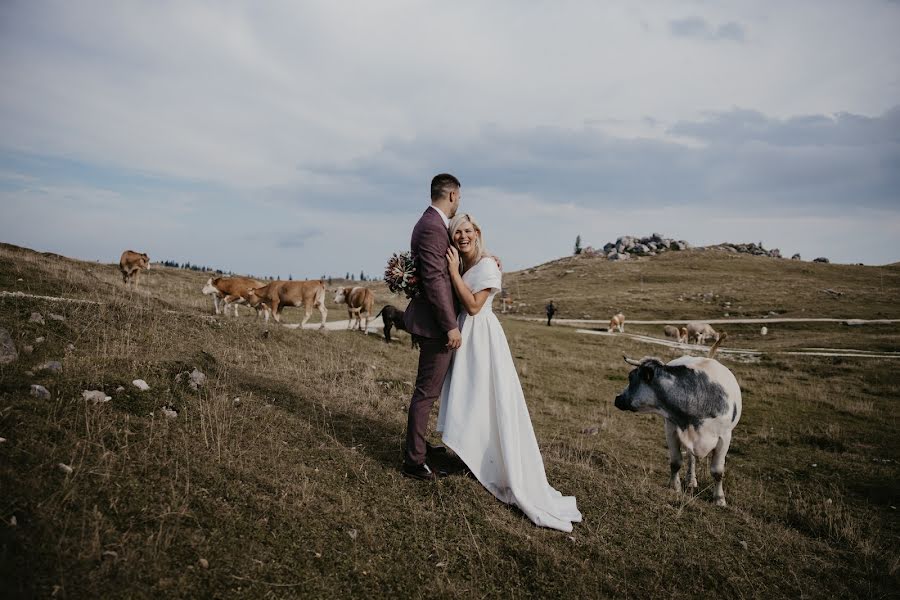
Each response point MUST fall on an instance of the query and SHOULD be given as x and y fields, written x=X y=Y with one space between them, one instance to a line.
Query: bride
x=483 y=416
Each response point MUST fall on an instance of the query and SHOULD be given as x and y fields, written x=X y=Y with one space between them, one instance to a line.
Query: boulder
x=821 y=259
x=40 y=392
x=8 y=352
x=53 y=366
x=617 y=256
x=796 y=257
x=198 y=379
x=36 y=317
x=140 y=384
x=95 y=396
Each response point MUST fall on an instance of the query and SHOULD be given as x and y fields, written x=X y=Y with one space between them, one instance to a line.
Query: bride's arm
x=471 y=302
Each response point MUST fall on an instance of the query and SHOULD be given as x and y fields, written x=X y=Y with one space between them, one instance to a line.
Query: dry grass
x=295 y=490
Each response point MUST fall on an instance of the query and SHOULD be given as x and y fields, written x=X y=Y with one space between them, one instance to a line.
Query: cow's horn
x=631 y=361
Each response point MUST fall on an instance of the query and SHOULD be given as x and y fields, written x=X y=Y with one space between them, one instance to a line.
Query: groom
x=431 y=319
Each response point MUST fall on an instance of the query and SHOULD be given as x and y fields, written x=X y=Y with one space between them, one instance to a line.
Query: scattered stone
x=64 y=468
x=198 y=379
x=109 y=555
x=36 y=317
x=204 y=564
x=54 y=366
x=743 y=544
x=70 y=348
x=2 y=440
x=591 y=431
x=796 y=257
x=120 y=389
x=353 y=534
x=8 y=351
x=27 y=349
x=169 y=412
x=39 y=340
x=236 y=402
x=821 y=259
x=833 y=293
x=13 y=521
x=95 y=396
x=140 y=384
x=764 y=330
x=56 y=317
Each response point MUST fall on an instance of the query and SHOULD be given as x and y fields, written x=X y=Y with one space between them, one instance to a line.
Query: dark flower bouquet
x=401 y=276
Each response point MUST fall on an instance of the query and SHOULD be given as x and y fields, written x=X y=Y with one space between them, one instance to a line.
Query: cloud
x=699 y=28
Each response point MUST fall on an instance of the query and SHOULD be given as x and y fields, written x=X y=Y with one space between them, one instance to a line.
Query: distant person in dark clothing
x=551 y=310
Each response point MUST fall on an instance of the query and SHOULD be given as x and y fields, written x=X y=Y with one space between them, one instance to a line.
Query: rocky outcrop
x=629 y=245
x=751 y=248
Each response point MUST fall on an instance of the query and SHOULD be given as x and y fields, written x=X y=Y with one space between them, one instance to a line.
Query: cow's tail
x=715 y=347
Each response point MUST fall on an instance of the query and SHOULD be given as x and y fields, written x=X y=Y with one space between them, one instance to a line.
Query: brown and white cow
x=617 y=322
x=278 y=294
x=700 y=332
x=131 y=263
x=232 y=291
x=359 y=300
x=673 y=332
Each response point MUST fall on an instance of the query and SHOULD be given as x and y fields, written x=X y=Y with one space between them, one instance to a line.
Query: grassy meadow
x=295 y=489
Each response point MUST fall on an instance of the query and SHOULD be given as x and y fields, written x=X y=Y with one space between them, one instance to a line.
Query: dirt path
x=746 y=353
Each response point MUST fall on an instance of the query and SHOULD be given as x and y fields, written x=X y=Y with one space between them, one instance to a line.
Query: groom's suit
x=429 y=317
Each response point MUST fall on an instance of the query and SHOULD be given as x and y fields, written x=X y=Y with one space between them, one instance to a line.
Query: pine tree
x=578 y=244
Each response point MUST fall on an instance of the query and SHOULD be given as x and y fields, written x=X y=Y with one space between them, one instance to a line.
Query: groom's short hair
x=443 y=184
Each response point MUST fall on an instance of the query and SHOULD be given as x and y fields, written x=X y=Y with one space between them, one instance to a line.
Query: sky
x=300 y=138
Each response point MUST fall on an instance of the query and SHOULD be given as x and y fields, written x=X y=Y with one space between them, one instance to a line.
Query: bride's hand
x=453 y=259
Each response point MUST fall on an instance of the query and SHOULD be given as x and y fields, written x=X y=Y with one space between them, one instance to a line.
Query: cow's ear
x=647 y=374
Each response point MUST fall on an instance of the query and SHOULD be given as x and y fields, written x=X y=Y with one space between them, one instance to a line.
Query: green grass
x=295 y=491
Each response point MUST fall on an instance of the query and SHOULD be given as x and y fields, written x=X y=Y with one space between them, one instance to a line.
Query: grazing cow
x=700 y=402
x=673 y=332
x=232 y=291
x=700 y=332
x=131 y=263
x=278 y=294
x=617 y=322
x=359 y=300
x=392 y=317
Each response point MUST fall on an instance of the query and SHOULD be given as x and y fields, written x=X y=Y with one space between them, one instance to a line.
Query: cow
x=617 y=322
x=359 y=300
x=700 y=402
x=673 y=332
x=278 y=294
x=392 y=317
x=131 y=263
x=232 y=291
x=700 y=332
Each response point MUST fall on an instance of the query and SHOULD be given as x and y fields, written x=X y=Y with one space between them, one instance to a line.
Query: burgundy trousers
x=434 y=362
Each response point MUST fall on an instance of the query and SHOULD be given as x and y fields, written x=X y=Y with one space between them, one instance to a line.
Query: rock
x=54 y=366
x=27 y=349
x=618 y=256
x=64 y=468
x=198 y=379
x=764 y=330
x=821 y=259
x=39 y=340
x=8 y=351
x=36 y=317
x=95 y=396
x=120 y=389
x=796 y=257
x=743 y=544
x=140 y=384
x=2 y=440
x=353 y=534
x=13 y=522
x=109 y=555
x=204 y=564
x=70 y=348
x=56 y=317
x=236 y=402
x=169 y=412
x=40 y=392
x=591 y=431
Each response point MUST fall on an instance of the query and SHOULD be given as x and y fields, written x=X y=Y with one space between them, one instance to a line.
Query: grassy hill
x=294 y=491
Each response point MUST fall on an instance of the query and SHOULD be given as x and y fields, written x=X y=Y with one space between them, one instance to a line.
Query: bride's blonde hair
x=457 y=222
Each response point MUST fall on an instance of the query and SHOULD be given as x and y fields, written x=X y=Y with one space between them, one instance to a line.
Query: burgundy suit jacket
x=433 y=312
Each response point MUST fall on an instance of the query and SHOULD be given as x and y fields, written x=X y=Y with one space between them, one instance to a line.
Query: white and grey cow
x=700 y=401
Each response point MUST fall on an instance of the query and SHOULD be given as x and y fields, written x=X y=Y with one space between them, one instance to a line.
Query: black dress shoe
x=423 y=472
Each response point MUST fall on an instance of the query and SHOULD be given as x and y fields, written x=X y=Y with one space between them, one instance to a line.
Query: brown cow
x=359 y=300
x=278 y=294
x=617 y=322
x=131 y=264
x=232 y=291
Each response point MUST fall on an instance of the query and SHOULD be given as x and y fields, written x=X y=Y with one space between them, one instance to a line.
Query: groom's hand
x=454 y=339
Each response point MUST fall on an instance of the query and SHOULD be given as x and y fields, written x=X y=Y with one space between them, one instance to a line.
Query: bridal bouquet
x=401 y=276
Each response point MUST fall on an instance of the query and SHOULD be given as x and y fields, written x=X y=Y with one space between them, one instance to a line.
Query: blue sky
x=299 y=138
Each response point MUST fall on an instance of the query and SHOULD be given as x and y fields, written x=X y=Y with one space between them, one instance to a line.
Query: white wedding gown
x=484 y=419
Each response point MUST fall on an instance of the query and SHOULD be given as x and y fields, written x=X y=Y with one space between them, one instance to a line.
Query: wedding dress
x=484 y=420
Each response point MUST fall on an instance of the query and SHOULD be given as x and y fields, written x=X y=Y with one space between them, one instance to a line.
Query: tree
x=362 y=275
x=578 y=244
